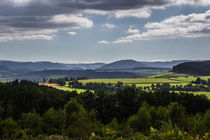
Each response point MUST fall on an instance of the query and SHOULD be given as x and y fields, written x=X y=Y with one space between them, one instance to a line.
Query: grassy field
x=202 y=92
x=65 y=88
x=173 y=79
x=190 y=78
x=169 y=75
x=70 y=89
x=180 y=77
x=148 y=80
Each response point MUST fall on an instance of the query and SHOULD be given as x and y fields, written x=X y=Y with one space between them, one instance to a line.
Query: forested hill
x=123 y=64
x=193 y=68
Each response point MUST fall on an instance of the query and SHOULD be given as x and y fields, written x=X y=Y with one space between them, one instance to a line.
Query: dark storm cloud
x=40 y=22
x=35 y=14
x=52 y=7
x=109 y=4
x=32 y=15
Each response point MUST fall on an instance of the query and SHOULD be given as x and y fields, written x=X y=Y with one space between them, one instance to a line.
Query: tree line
x=31 y=110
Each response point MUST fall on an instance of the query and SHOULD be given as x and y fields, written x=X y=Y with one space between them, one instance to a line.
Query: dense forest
x=193 y=68
x=28 y=110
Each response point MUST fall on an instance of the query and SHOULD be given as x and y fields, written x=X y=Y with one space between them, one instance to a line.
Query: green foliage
x=28 y=111
x=177 y=114
x=10 y=128
x=59 y=81
x=53 y=120
x=202 y=123
x=77 y=122
x=170 y=132
x=141 y=122
x=32 y=123
x=158 y=116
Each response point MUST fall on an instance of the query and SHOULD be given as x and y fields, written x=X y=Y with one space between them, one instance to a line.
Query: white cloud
x=110 y=26
x=96 y=12
x=183 y=26
x=17 y=3
x=137 y=13
x=26 y=37
x=72 y=33
x=103 y=42
x=122 y=41
x=133 y=31
x=190 y=2
x=76 y=21
x=55 y=23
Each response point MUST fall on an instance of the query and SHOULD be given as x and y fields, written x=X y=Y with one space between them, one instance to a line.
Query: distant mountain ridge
x=82 y=66
x=32 y=66
x=46 y=65
x=130 y=68
x=165 y=64
x=123 y=64
x=131 y=64
x=193 y=68
x=75 y=73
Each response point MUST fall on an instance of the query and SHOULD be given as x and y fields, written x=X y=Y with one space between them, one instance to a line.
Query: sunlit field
x=70 y=89
x=132 y=80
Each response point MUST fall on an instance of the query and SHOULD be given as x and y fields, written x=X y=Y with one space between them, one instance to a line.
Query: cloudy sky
x=104 y=30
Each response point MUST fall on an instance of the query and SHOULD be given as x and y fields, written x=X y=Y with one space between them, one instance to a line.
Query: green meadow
x=172 y=78
x=70 y=89
x=149 y=80
x=202 y=93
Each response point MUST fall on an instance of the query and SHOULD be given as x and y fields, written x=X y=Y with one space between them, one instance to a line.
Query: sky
x=83 y=31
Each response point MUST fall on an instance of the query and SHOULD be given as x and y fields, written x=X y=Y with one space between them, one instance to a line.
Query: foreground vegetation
x=29 y=110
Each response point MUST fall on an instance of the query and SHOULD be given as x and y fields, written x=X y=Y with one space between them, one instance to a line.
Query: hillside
x=193 y=68
x=83 y=66
x=118 y=69
x=165 y=64
x=45 y=65
x=75 y=73
x=4 y=70
x=123 y=64
x=32 y=66
x=131 y=64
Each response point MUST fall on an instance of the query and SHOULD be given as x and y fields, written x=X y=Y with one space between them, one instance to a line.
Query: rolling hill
x=165 y=64
x=32 y=66
x=193 y=68
x=122 y=64
x=4 y=70
x=38 y=75
x=118 y=69
x=82 y=66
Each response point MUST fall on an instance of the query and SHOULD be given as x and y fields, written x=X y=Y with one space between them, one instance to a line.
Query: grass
x=65 y=88
x=202 y=92
x=169 y=75
x=147 y=72
x=71 y=89
x=172 y=78
x=148 y=80
x=190 y=78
